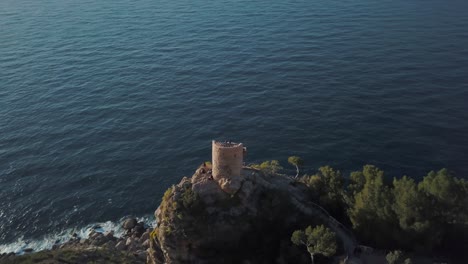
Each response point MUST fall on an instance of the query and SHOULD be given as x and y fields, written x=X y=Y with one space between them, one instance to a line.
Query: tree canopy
x=328 y=185
x=414 y=216
x=317 y=240
x=296 y=161
x=404 y=213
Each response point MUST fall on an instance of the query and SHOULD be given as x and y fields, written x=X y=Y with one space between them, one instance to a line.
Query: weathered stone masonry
x=228 y=158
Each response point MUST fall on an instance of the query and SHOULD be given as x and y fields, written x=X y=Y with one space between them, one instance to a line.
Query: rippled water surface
x=106 y=103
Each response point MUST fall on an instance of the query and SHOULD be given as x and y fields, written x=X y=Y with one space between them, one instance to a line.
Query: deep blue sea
x=106 y=103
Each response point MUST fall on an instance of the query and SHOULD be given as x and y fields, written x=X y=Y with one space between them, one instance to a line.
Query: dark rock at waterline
x=129 y=223
x=138 y=230
x=98 y=247
x=28 y=250
x=110 y=235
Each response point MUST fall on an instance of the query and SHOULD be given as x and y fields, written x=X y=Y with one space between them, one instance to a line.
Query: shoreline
x=52 y=241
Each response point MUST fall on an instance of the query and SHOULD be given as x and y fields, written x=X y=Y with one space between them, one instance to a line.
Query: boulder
x=141 y=254
x=129 y=223
x=138 y=230
x=230 y=186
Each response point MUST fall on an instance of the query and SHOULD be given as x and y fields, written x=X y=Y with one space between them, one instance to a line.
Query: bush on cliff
x=269 y=167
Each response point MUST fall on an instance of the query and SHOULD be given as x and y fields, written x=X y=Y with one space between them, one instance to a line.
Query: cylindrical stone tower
x=227 y=159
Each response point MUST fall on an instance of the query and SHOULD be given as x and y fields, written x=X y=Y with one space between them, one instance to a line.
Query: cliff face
x=201 y=220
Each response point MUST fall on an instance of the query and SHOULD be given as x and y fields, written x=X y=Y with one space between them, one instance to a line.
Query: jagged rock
x=129 y=241
x=97 y=239
x=28 y=250
x=145 y=243
x=93 y=234
x=138 y=230
x=110 y=244
x=141 y=254
x=145 y=236
x=155 y=253
x=109 y=235
x=230 y=186
x=132 y=244
x=207 y=189
x=129 y=223
x=121 y=245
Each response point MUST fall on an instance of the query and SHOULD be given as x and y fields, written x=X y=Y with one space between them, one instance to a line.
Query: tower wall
x=227 y=159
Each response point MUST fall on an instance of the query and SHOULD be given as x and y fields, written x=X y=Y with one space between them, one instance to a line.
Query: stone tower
x=228 y=159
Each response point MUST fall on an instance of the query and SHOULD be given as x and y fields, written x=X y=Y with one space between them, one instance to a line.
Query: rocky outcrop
x=129 y=223
x=99 y=247
x=202 y=221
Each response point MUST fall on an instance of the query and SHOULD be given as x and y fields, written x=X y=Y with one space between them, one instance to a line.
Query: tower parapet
x=228 y=158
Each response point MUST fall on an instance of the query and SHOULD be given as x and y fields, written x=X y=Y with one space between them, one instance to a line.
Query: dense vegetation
x=424 y=216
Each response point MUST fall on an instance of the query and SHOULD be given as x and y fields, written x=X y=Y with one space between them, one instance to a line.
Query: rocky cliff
x=242 y=219
x=248 y=220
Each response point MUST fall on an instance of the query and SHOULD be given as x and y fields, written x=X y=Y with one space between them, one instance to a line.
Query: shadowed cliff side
x=199 y=221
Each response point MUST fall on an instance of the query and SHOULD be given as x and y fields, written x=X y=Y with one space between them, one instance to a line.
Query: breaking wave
x=48 y=241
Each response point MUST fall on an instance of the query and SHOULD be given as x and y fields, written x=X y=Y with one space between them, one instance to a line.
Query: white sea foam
x=50 y=240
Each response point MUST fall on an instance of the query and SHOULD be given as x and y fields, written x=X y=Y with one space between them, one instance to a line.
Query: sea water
x=104 y=104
